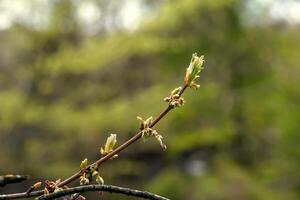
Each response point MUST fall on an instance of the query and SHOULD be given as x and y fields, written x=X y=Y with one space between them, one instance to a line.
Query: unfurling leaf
x=176 y=90
x=174 y=99
x=140 y=119
x=109 y=144
x=46 y=191
x=149 y=121
x=57 y=181
x=159 y=139
x=149 y=132
x=37 y=185
x=144 y=124
x=99 y=179
x=84 y=164
x=57 y=189
x=192 y=72
x=83 y=180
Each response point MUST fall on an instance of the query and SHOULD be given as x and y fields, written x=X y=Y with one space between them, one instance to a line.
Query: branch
x=105 y=188
x=21 y=195
x=10 y=179
x=121 y=147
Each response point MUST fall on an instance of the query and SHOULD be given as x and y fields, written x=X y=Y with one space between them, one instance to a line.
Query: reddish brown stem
x=122 y=146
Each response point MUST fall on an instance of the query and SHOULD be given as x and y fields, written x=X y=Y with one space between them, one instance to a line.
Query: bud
x=109 y=144
x=99 y=179
x=148 y=121
x=83 y=180
x=57 y=189
x=57 y=181
x=192 y=72
x=46 y=191
x=144 y=124
x=176 y=91
x=95 y=173
x=37 y=185
x=195 y=86
x=159 y=139
x=140 y=119
x=174 y=99
x=149 y=132
x=84 y=164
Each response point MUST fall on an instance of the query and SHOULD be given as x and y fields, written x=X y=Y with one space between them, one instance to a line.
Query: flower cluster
x=174 y=99
x=88 y=172
x=193 y=71
x=52 y=186
x=147 y=131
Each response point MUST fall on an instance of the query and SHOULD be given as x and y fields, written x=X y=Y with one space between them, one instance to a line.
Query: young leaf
x=192 y=72
x=84 y=163
x=109 y=144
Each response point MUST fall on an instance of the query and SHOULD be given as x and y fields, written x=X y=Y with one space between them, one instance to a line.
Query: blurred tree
x=62 y=90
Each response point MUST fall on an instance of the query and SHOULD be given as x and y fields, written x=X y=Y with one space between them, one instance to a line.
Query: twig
x=33 y=187
x=21 y=195
x=105 y=188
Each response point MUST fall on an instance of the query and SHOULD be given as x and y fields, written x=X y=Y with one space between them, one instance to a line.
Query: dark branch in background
x=104 y=188
x=10 y=179
x=86 y=188
x=20 y=195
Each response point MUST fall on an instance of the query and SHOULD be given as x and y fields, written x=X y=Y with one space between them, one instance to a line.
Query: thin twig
x=21 y=195
x=121 y=147
x=105 y=188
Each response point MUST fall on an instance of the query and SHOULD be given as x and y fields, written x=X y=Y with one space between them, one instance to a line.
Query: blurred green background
x=72 y=72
